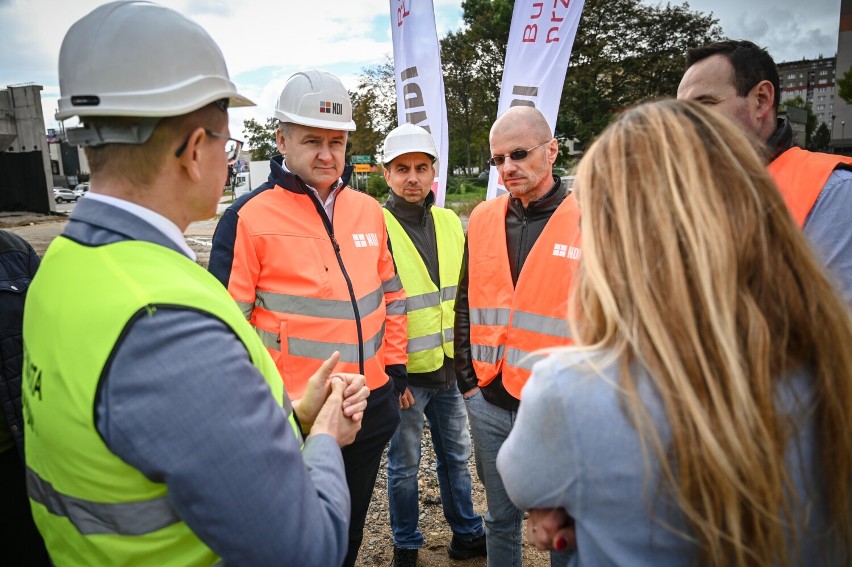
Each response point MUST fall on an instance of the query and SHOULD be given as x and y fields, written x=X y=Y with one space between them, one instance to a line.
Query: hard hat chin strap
x=92 y=135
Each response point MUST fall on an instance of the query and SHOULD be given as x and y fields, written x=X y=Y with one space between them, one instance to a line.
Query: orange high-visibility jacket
x=310 y=287
x=508 y=323
x=801 y=175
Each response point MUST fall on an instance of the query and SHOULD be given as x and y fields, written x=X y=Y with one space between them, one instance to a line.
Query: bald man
x=520 y=255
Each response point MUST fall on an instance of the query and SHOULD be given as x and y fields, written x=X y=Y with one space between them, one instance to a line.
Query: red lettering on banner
x=540 y=6
x=564 y=2
x=552 y=39
x=530 y=33
x=401 y=13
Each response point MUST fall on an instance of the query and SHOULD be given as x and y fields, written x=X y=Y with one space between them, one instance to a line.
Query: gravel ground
x=377 y=547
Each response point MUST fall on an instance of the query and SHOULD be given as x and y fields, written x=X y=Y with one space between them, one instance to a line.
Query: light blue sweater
x=573 y=447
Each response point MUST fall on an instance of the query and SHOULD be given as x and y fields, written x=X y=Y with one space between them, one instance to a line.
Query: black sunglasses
x=517 y=155
x=209 y=132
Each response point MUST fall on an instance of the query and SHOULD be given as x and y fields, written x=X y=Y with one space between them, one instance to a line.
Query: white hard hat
x=405 y=139
x=315 y=98
x=140 y=59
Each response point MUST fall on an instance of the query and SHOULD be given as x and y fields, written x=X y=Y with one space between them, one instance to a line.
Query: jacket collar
x=292 y=182
x=544 y=205
x=780 y=141
x=411 y=212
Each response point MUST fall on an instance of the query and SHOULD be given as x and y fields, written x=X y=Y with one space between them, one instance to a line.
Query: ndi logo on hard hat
x=328 y=107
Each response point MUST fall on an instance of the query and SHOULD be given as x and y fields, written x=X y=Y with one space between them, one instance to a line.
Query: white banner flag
x=540 y=43
x=420 y=79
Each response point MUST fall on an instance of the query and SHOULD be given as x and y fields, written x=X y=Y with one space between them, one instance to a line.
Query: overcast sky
x=264 y=41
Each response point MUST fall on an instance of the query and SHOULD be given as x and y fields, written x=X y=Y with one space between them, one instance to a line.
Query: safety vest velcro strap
x=93 y=518
x=397 y=307
x=487 y=354
x=392 y=285
x=423 y=301
x=428 y=342
x=449 y=293
x=246 y=307
x=321 y=350
x=314 y=307
x=449 y=335
x=488 y=316
x=553 y=326
x=521 y=358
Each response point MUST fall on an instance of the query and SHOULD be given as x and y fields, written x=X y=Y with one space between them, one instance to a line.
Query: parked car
x=64 y=195
x=81 y=189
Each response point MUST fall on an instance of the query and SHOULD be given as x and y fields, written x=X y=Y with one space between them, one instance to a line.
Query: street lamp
x=833 y=116
x=842 y=129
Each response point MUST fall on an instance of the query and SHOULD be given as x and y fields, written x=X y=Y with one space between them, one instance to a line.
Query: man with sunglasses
x=137 y=448
x=521 y=252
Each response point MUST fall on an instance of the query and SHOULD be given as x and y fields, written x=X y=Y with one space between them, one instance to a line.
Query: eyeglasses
x=237 y=143
x=517 y=155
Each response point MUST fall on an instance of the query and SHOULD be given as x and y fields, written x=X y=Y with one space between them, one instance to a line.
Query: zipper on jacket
x=330 y=230
x=521 y=245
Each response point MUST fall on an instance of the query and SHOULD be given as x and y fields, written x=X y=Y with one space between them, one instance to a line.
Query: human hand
x=470 y=393
x=354 y=396
x=406 y=399
x=316 y=393
x=331 y=419
x=551 y=529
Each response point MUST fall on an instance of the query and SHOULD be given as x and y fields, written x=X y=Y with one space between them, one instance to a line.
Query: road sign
x=360 y=159
x=362 y=168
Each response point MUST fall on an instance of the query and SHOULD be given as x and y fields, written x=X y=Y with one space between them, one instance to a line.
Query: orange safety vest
x=800 y=176
x=309 y=294
x=507 y=323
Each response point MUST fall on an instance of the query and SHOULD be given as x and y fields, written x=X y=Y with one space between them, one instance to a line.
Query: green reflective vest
x=430 y=310
x=92 y=507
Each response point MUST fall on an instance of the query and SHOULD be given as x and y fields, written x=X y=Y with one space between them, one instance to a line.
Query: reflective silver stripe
x=487 y=354
x=320 y=349
x=521 y=358
x=396 y=308
x=312 y=307
x=92 y=518
x=422 y=301
x=449 y=293
x=246 y=308
x=393 y=284
x=421 y=344
x=486 y=316
x=553 y=326
x=449 y=335
x=269 y=339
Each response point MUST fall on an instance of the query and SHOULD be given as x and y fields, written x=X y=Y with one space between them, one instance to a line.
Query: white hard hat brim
x=315 y=122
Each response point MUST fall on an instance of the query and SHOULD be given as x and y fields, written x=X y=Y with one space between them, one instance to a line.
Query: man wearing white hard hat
x=307 y=259
x=157 y=429
x=428 y=243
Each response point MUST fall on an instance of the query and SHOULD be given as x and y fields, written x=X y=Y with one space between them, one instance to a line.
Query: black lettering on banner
x=412 y=94
x=521 y=91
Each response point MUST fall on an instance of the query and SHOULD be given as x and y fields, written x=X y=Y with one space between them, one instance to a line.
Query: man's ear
x=280 y=141
x=764 y=98
x=552 y=150
x=190 y=159
x=386 y=171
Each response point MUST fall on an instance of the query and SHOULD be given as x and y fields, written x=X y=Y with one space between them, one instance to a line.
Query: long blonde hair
x=693 y=267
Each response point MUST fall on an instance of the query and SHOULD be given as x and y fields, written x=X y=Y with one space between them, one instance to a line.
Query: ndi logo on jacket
x=364 y=240
x=565 y=251
x=328 y=107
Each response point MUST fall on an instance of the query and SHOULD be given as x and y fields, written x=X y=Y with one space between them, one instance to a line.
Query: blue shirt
x=573 y=447
x=182 y=402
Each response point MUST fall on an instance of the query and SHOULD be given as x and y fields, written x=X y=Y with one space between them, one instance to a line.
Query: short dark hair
x=751 y=64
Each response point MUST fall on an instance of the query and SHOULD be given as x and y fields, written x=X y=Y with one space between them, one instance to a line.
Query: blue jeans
x=490 y=426
x=445 y=411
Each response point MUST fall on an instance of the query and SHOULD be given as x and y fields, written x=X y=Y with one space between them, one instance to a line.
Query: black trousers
x=363 y=457
x=19 y=537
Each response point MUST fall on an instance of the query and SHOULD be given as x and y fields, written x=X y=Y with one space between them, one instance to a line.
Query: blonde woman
x=705 y=416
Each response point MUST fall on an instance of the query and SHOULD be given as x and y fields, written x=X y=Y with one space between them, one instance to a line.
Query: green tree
x=821 y=138
x=469 y=75
x=844 y=86
x=373 y=108
x=261 y=138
